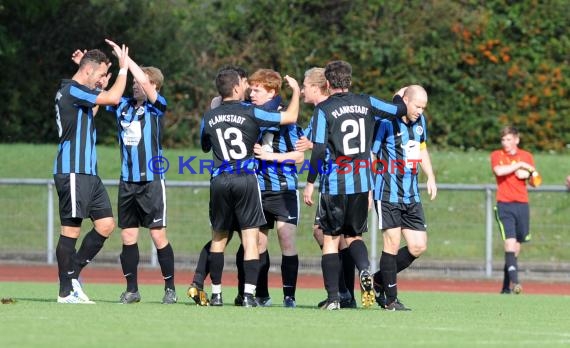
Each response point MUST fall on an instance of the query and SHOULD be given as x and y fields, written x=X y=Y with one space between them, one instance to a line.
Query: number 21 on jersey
x=353 y=129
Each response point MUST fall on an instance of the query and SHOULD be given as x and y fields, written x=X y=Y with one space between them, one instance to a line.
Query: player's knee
x=128 y=237
x=417 y=249
x=391 y=246
x=105 y=227
x=288 y=247
x=159 y=239
x=160 y=243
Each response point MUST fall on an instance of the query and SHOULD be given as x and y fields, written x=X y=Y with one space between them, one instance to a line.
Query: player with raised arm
x=400 y=146
x=81 y=192
x=230 y=131
x=342 y=137
x=196 y=289
x=142 y=191
x=277 y=177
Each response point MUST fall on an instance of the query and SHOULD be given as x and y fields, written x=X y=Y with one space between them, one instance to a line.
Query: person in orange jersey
x=513 y=168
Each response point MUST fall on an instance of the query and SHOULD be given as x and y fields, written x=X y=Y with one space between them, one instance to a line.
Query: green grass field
x=437 y=320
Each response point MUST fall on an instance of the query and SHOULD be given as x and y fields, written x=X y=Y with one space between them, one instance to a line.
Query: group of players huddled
x=345 y=130
x=247 y=127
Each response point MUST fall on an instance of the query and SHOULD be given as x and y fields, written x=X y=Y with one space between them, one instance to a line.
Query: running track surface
x=98 y=274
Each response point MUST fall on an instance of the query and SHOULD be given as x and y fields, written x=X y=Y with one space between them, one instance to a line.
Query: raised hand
x=115 y=47
x=124 y=57
x=77 y=55
x=292 y=83
x=401 y=91
x=122 y=53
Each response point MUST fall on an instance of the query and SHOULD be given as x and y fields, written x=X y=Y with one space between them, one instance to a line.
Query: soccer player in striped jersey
x=80 y=190
x=230 y=132
x=142 y=194
x=315 y=90
x=342 y=137
x=400 y=148
x=196 y=289
x=277 y=177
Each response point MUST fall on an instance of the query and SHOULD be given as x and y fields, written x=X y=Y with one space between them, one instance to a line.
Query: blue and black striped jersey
x=140 y=137
x=76 y=152
x=345 y=123
x=397 y=145
x=230 y=131
x=273 y=176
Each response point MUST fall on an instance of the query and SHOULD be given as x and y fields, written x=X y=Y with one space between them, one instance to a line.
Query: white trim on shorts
x=298 y=208
x=317 y=218
x=163 y=201
x=73 y=195
x=259 y=195
x=379 y=213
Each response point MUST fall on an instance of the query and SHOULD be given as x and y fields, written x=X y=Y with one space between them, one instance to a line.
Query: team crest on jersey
x=420 y=130
x=131 y=133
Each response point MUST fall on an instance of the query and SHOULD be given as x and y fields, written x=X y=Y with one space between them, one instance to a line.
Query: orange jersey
x=509 y=187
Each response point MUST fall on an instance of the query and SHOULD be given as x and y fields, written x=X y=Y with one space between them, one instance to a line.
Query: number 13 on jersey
x=238 y=149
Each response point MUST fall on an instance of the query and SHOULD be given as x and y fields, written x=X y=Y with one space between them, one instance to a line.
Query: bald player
x=400 y=148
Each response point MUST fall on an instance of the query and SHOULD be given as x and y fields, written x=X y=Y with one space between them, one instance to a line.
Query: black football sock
x=341 y=284
x=129 y=262
x=91 y=245
x=289 y=274
x=64 y=253
x=203 y=266
x=378 y=280
x=240 y=270
x=166 y=261
x=348 y=270
x=511 y=262
x=330 y=266
x=359 y=253
x=506 y=279
x=251 y=271
x=262 y=288
x=404 y=259
x=216 y=267
x=389 y=276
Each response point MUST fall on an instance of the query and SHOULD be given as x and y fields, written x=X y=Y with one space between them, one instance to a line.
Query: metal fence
x=460 y=220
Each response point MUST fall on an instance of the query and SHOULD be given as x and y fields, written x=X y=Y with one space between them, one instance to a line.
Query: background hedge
x=484 y=63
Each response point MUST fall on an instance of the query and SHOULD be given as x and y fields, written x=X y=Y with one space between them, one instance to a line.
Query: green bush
x=484 y=64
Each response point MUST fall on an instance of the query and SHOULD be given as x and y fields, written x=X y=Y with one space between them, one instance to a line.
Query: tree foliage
x=484 y=63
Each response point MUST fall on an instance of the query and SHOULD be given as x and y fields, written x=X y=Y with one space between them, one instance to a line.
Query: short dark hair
x=226 y=79
x=339 y=74
x=94 y=56
x=241 y=72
